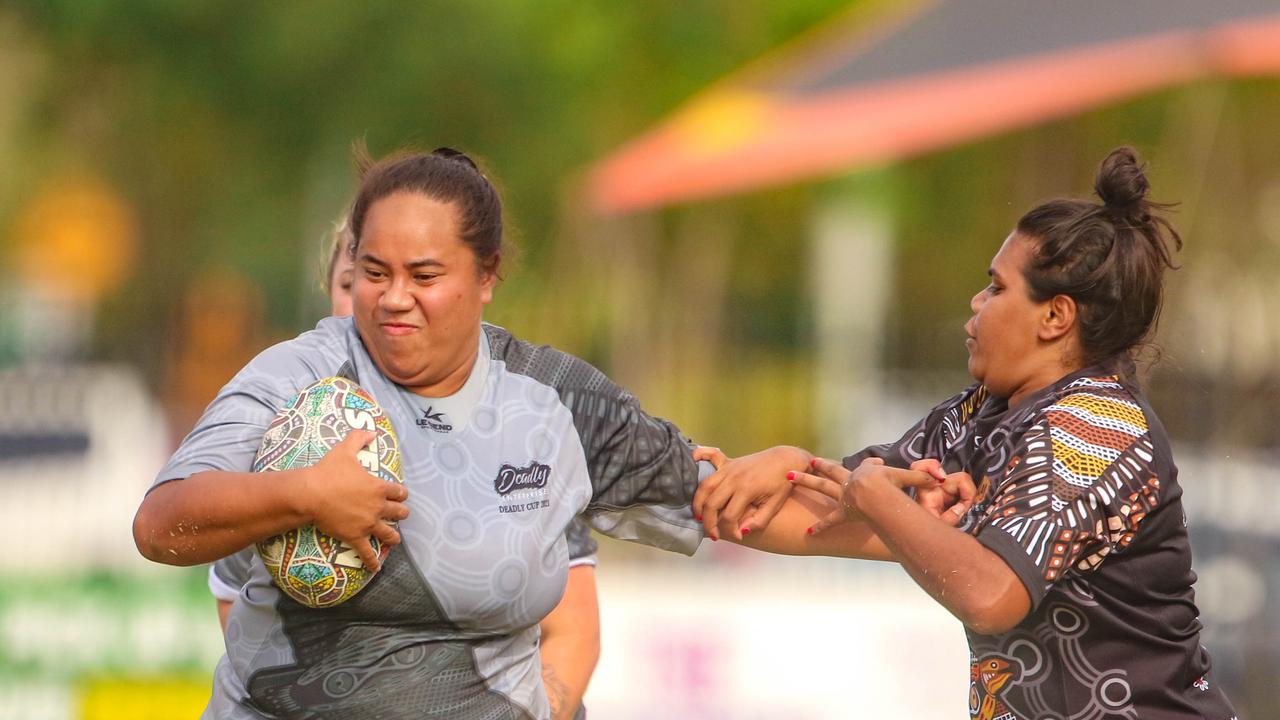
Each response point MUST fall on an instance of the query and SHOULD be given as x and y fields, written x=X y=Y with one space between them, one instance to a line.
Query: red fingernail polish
x=813 y=462
x=791 y=475
x=745 y=531
x=698 y=518
x=809 y=531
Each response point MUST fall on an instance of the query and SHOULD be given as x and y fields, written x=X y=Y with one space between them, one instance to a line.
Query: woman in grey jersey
x=569 y=647
x=503 y=444
x=1071 y=567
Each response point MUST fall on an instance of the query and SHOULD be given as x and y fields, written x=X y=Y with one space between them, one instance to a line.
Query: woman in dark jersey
x=1070 y=567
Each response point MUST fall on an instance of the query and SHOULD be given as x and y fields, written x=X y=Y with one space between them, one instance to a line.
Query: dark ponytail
x=1110 y=258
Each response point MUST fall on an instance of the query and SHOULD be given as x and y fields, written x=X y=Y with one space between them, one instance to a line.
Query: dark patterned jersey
x=449 y=627
x=1078 y=493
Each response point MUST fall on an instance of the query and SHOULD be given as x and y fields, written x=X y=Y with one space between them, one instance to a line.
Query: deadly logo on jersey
x=531 y=477
x=522 y=488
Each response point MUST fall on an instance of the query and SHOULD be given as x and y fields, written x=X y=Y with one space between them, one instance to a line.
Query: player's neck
x=455 y=378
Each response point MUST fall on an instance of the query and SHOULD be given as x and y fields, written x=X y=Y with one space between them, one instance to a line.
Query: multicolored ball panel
x=311 y=567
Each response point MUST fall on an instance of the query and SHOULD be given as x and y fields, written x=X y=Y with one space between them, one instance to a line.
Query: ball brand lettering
x=358 y=419
x=510 y=478
x=305 y=563
x=363 y=420
x=368 y=459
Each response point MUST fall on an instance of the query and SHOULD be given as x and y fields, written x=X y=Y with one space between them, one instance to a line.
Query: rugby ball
x=310 y=566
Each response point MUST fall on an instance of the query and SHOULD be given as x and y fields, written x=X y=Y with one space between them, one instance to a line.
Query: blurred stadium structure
x=924 y=77
x=909 y=135
x=81 y=613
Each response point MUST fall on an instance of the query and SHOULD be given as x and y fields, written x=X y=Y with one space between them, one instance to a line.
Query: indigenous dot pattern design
x=1066 y=498
x=1078 y=494
x=1080 y=479
x=310 y=566
x=1033 y=662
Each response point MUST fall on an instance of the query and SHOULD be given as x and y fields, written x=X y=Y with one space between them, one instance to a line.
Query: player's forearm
x=213 y=514
x=787 y=533
x=570 y=645
x=565 y=675
x=964 y=576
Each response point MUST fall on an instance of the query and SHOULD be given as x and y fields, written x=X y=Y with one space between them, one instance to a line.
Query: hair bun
x=450 y=153
x=1122 y=182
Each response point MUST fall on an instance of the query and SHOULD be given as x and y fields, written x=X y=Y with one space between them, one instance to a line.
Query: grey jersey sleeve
x=642 y=471
x=229 y=574
x=582 y=547
x=228 y=433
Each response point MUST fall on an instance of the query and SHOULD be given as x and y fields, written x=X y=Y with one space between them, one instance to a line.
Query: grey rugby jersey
x=448 y=628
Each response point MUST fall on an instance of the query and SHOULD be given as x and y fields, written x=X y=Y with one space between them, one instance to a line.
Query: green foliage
x=228 y=124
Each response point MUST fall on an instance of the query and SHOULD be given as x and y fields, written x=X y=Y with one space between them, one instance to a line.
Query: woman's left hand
x=843 y=485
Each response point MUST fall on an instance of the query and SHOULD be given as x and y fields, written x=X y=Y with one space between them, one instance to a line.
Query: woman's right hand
x=746 y=493
x=345 y=501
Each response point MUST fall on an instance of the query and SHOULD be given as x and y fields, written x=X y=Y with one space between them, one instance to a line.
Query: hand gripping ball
x=310 y=566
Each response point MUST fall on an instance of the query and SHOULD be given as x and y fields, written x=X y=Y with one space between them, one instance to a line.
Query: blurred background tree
x=226 y=129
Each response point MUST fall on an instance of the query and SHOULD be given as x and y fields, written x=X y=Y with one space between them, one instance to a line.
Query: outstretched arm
x=746 y=493
x=964 y=576
x=755 y=484
x=790 y=532
x=751 y=500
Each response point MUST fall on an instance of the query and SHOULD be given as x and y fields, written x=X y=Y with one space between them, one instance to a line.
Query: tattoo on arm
x=557 y=693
